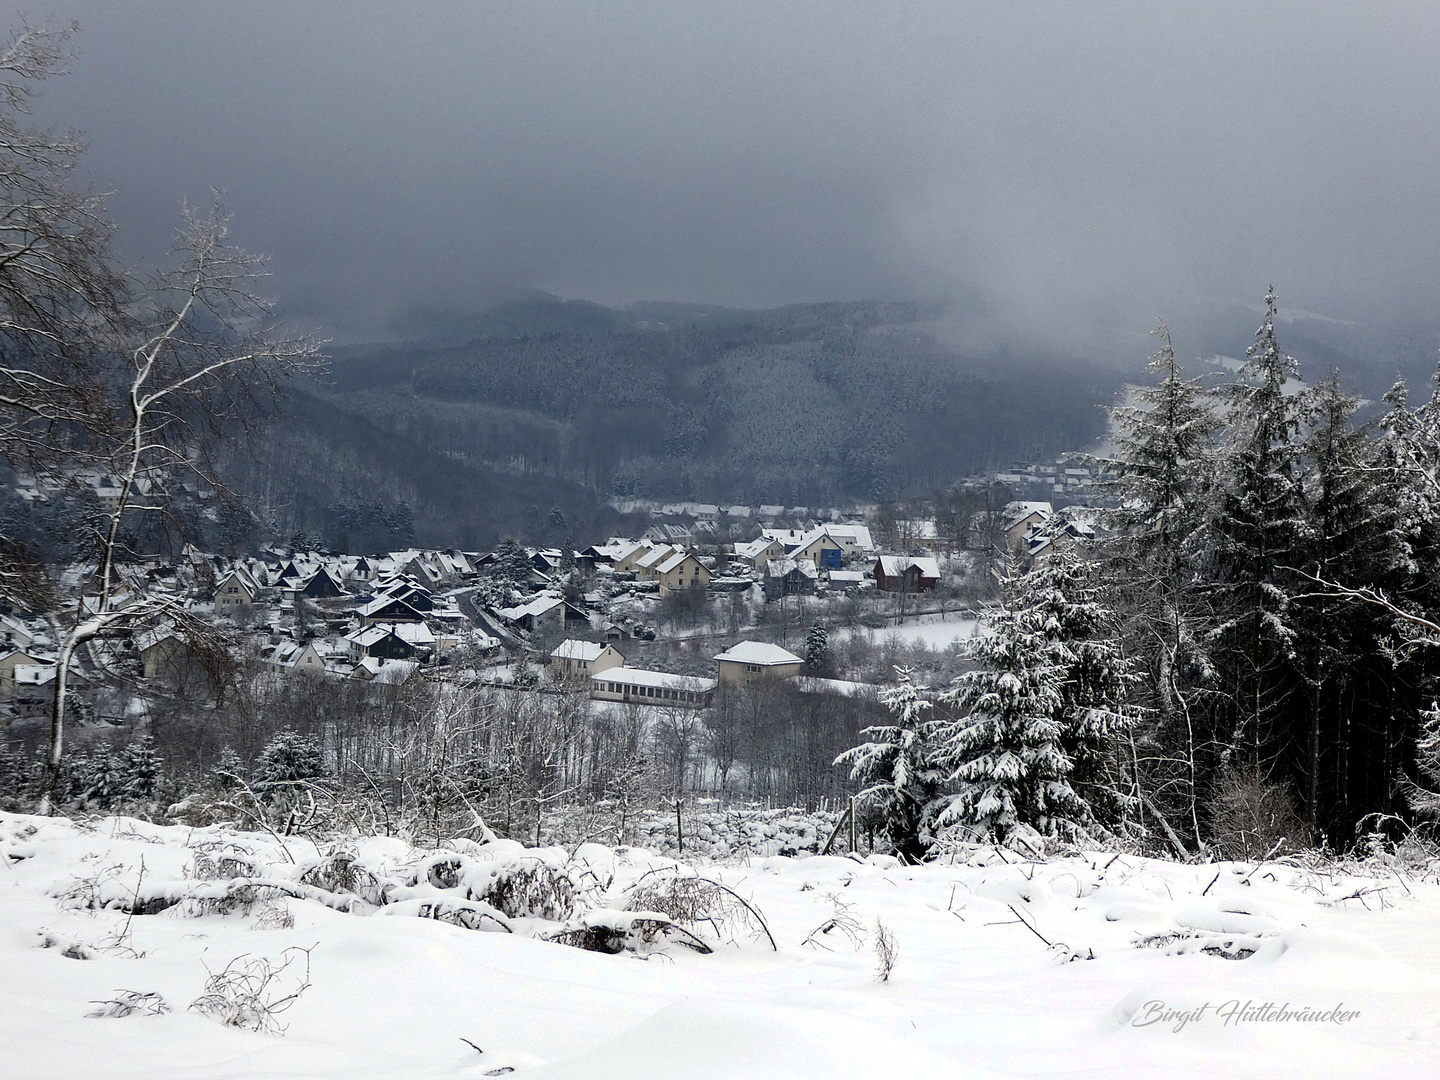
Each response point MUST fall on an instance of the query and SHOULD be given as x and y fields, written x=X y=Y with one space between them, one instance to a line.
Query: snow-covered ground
x=930 y=631
x=1138 y=945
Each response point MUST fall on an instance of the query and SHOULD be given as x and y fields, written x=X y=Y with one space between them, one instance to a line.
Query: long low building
x=641 y=687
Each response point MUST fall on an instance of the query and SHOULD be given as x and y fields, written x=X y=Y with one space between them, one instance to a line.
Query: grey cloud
x=1066 y=166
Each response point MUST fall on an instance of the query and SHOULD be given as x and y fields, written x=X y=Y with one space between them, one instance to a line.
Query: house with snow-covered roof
x=749 y=661
x=903 y=573
x=1020 y=519
x=680 y=571
x=637 y=686
x=572 y=657
x=235 y=592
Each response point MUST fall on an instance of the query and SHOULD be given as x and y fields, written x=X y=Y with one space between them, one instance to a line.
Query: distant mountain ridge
x=534 y=403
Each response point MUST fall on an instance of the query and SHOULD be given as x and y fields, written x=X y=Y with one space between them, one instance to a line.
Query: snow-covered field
x=930 y=632
x=1136 y=946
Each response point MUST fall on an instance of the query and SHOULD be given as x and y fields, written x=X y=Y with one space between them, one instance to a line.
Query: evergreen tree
x=98 y=777
x=229 y=771
x=1163 y=464
x=1256 y=533
x=1347 y=649
x=287 y=761
x=1004 y=753
x=1062 y=597
x=817 y=651
x=140 y=769
x=896 y=768
x=1165 y=469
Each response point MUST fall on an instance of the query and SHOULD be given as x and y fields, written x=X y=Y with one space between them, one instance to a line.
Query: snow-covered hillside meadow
x=438 y=962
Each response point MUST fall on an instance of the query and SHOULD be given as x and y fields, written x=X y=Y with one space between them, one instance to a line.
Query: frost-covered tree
x=1004 y=752
x=229 y=771
x=817 y=651
x=140 y=769
x=287 y=762
x=899 y=777
x=1165 y=469
x=1063 y=597
x=1256 y=533
x=1163 y=463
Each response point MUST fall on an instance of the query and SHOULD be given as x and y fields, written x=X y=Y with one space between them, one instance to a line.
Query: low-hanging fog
x=1057 y=172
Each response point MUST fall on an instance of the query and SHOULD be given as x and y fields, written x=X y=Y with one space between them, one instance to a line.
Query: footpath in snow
x=134 y=950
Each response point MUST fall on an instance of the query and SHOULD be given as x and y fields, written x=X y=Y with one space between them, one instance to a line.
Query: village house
x=628 y=553
x=1020 y=520
x=820 y=548
x=750 y=661
x=389 y=609
x=572 y=657
x=548 y=615
x=757 y=553
x=392 y=641
x=659 y=688
x=790 y=577
x=235 y=593
x=8 y=663
x=321 y=585
x=679 y=572
x=903 y=573
x=159 y=648
x=297 y=656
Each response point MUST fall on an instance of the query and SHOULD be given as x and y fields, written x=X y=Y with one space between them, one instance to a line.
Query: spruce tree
x=1004 y=753
x=287 y=761
x=1347 y=647
x=817 y=651
x=1063 y=597
x=896 y=768
x=1165 y=469
x=1256 y=532
x=140 y=770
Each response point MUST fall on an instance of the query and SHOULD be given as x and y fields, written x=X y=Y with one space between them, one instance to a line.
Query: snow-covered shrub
x=250 y=993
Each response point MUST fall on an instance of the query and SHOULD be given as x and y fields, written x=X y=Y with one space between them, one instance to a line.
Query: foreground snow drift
x=378 y=959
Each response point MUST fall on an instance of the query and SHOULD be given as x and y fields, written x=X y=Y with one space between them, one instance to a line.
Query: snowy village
x=737 y=542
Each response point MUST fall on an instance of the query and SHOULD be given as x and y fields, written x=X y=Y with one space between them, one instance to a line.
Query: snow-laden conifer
x=896 y=767
x=1004 y=752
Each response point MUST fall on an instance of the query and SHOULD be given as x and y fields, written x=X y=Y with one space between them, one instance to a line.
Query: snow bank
x=1085 y=966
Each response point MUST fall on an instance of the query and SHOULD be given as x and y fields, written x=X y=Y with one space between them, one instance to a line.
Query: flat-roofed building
x=637 y=686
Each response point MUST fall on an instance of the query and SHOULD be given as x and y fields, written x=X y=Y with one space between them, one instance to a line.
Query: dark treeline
x=815 y=404
x=1247 y=661
x=1274 y=566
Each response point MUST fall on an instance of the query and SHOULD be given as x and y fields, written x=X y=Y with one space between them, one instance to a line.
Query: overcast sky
x=1056 y=164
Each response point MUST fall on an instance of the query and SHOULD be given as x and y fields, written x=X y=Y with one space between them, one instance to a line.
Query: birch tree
x=193 y=364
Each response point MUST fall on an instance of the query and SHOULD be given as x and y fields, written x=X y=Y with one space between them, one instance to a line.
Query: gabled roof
x=896 y=565
x=388 y=605
x=756 y=548
x=242 y=577
x=814 y=535
x=571 y=649
x=1018 y=511
x=758 y=652
x=538 y=606
x=675 y=560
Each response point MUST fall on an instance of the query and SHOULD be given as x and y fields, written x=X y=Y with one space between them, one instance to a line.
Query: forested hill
x=522 y=420
x=806 y=404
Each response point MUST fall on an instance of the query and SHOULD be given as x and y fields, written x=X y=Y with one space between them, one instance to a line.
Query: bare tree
x=60 y=293
x=200 y=362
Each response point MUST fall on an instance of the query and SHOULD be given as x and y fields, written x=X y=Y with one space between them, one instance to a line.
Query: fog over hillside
x=1058 y=175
